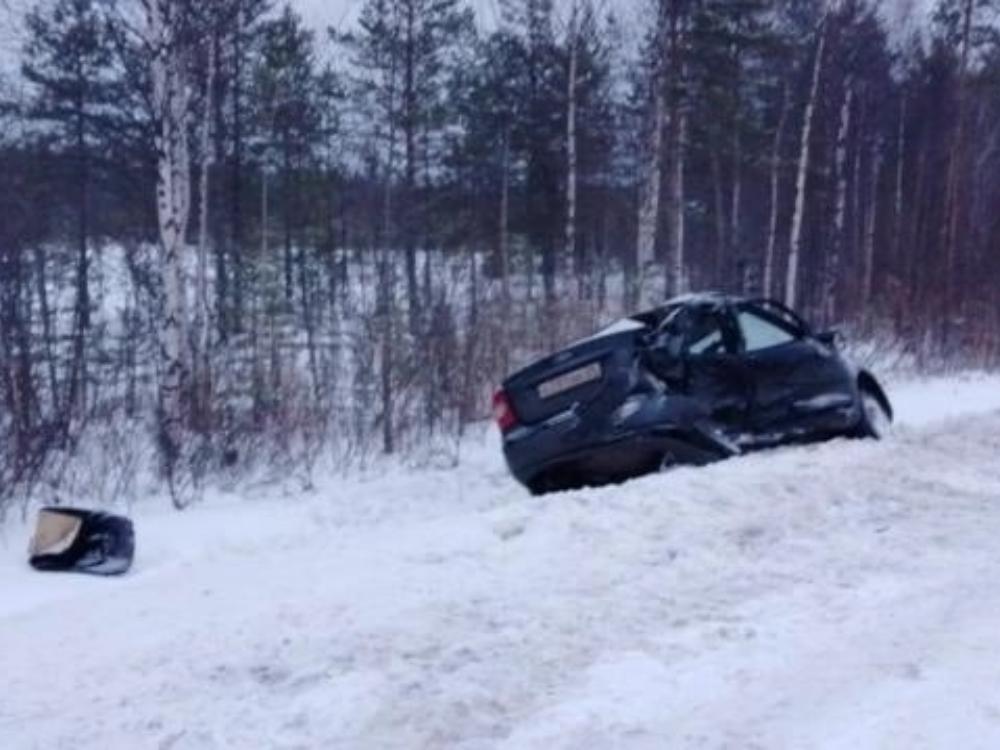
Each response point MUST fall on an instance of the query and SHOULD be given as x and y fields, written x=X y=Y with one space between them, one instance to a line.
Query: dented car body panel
x=699 y=379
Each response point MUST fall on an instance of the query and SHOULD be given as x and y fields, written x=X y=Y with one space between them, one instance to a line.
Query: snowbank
x=839 y=595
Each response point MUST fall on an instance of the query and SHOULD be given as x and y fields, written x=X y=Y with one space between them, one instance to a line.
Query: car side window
x=704 y=336
x=696 y=332
x=708 y=343
x=760 y=333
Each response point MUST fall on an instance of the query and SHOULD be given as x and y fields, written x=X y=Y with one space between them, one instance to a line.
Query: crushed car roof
x=705 y=298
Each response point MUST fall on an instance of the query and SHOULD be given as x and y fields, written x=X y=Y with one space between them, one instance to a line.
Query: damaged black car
x=702 y=378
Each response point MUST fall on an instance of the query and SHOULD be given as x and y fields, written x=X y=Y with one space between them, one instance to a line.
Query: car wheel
x=875 y=420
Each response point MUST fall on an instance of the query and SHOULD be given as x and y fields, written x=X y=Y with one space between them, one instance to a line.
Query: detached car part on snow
x=702 y=378
x=82 y=541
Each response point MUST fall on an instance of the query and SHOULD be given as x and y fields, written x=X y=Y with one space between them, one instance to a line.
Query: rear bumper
x=544 y=460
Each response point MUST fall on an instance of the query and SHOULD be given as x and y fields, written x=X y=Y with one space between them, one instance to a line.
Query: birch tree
x=680 y=107
x=573 y=42
x=832 y=263
x=206 y=152
x=167 y=47
x=74 y=84
x=775 y=170
x=802 y=176
x=651 y=164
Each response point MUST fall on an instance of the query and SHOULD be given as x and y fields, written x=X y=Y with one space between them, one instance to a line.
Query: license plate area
x=570 y=380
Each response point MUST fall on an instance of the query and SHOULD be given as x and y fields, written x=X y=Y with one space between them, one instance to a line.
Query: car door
x=714 y=372
x=790 y=371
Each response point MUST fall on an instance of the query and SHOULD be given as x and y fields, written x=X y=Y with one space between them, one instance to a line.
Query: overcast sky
x=323 y=13
x=320 y=14
x=342 y=14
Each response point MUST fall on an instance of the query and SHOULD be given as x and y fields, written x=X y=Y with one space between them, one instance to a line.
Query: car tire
x=875 y=421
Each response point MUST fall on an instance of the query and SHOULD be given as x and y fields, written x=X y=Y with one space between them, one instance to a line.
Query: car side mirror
x=829 y=338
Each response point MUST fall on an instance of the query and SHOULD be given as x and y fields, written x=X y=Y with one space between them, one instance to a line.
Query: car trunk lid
x=579 y=374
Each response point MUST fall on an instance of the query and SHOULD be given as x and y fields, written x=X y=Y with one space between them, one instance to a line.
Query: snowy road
x=845 y=595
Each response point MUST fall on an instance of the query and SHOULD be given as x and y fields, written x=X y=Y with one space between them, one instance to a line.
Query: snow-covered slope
x=845 y=595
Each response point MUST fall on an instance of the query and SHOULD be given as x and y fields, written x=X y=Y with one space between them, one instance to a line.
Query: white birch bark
x=504 y=241
x=387 y=277
x=649 y=202
x=207 y=159
x=678 y=275
x=840 y=210
x=505 y=220
x=676 y=270
x=173 y=201
x=652 y=178
x=571 y=151
x=772 y=231
x=795 y=241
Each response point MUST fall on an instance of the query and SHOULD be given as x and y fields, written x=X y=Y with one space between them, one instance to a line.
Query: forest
x=233 y=246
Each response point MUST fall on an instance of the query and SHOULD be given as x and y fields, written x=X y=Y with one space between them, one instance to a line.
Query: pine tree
x=540 y=136
x=69 y=62
x=590 y=139
x=404 y=50
x=287 y=96
x=730 y=45
x=486 y=96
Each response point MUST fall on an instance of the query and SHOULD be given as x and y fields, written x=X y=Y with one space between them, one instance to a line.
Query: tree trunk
x=953 y=207
x=170 y=101
x=505 y=220
x=236 y=227
x=840 y=210
x=652 y=180
x=571 y=155
x=897 y=235
x=676 y=260
x=868 y=274
x=767 y=285
x=45 y=314
x=718 y=267
x=504 y=249
x=219 y=228
x=286 y=213
x=795 y=241
x=736 y=209
x=386 y=292
x=678 y=270
x=264 y=209
x=202 y=314
x=408 y=203
x=81 y=323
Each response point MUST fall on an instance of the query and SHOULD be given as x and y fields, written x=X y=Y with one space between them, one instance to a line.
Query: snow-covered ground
x=844 y=595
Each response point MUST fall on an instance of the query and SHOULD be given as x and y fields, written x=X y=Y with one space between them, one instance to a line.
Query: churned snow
x=844 y=595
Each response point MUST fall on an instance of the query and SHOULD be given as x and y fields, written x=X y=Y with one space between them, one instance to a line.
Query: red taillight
x=503 y=412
